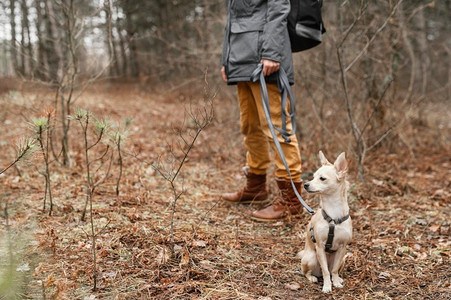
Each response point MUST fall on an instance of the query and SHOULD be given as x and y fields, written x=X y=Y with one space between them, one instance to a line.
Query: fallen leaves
x=200 y=244
x=49 y=281
x=163 y=256
x=400 y=244
x=384 y=275
x=184 y=261
x=23 y=268
x=294 y=286
x=434 y=228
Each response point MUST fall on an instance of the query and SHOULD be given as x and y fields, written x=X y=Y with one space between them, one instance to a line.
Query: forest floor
x=401 y=214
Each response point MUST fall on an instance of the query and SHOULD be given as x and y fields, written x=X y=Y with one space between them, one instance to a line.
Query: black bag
x=305 y=24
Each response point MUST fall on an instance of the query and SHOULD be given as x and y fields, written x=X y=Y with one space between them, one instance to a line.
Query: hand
x=269 y=66
x=224 y=76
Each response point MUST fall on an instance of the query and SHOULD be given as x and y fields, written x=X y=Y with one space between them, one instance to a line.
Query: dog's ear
x=341 y=165
x=323 y=159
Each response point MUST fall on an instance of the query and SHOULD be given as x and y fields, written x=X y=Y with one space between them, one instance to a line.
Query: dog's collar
x=329 y=219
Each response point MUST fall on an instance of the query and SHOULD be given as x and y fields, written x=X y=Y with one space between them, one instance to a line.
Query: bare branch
x=357 y=58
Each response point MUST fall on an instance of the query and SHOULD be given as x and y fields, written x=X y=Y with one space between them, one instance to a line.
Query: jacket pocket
x=244 y=47
x=245 y=42
x=243 y=8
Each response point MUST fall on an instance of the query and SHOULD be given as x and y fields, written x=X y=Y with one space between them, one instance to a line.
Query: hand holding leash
x=269 y=66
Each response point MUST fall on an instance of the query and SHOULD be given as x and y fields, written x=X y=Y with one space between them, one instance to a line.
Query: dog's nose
x=306 y=185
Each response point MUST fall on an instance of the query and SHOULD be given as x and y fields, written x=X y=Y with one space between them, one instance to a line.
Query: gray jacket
x=256 y=29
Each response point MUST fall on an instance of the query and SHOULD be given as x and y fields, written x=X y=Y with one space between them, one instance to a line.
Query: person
x=256 y=32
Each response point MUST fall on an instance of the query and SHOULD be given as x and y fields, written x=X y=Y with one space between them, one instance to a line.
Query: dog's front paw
x=327 y=288
x=338 y=281
x=312 y=278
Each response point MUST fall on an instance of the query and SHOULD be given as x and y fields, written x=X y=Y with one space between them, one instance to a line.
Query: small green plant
x=87 y=121
x=118 y=136
x=100 y=129
x=41 y=130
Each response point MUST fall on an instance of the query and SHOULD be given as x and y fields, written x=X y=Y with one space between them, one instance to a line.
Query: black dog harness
x=330 y=236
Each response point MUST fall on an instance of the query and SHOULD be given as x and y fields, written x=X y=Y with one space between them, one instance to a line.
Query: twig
x=360 y=143
x=21 y=155
x=203 y=219
x=348 y=31
x=374 y=110
x=372 y=38
x=120 y=165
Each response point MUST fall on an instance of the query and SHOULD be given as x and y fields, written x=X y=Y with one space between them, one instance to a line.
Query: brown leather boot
x=284 y=205
x=254 y=192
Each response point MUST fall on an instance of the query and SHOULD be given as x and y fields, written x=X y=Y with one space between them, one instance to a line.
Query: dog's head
x=329 y=177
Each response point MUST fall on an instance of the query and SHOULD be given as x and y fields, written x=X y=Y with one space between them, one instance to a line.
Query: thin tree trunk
x=13 y=36
x=133 y=51
x=54 y=52
x=114 y=66
x=410 y=51
x=29 y=49
x=5 y=65
x=122 y=48
x=423 y=47
x=22 y=44
x=71 y=72
x=42 y=66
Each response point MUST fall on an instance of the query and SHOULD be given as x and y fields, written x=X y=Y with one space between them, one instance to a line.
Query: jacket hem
x=271 y=78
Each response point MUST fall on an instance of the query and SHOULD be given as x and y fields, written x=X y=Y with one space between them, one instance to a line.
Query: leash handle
x=284 y=87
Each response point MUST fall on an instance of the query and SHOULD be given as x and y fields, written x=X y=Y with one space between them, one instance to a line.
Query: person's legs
x=257 y=156
x=291 y=149
x=255 y=141
x=287 y=202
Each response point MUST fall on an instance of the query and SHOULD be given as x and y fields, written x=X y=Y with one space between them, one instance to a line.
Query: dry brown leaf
x=421 y=221
x=439 y=193
x=422 y=256
x=163 y=256
x=206 y=264
x=177 y=248
x=378 y=182
x=434 y=228
x=185 y=258
x=200 y=244
x=294 y=286
x=50 y=281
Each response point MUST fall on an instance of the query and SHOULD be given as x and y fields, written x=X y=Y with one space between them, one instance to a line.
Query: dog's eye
x=322 y=179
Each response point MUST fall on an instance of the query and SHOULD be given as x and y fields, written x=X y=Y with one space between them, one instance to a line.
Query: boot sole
x=249 y=202
x=262 y=220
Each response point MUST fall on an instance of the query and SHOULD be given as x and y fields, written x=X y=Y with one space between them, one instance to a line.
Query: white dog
x=330 y=228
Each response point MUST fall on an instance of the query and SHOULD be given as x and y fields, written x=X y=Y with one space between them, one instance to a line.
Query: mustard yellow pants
x=257 y=136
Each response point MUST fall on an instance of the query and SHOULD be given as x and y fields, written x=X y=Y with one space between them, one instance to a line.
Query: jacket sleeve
x=225 y=44
x=274 y=31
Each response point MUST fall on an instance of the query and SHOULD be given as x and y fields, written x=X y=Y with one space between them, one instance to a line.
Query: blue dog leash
x=285 y=90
